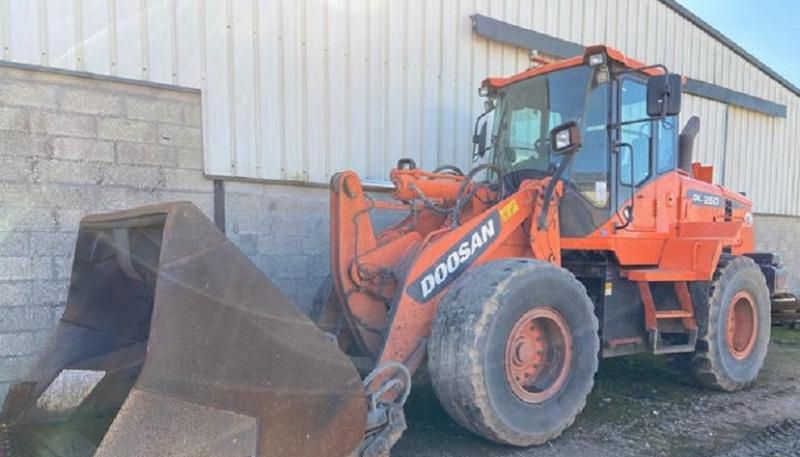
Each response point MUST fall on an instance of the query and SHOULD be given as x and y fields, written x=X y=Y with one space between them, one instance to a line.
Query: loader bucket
x=174 y=344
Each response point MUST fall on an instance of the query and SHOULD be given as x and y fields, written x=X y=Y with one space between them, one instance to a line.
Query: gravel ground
x=639 y=407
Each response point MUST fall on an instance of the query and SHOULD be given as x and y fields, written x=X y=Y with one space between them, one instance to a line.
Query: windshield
x=529 y=109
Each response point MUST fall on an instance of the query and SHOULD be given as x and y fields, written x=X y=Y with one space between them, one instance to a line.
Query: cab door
x=634 y=152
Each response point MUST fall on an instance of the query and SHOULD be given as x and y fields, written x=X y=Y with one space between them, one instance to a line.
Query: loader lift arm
x=393 y=317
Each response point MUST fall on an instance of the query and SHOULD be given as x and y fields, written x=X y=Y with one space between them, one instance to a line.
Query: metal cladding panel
x=298 y=89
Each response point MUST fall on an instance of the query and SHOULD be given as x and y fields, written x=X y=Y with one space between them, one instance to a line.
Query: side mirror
x=664 y=95
x=479 y=142
x=565 y=138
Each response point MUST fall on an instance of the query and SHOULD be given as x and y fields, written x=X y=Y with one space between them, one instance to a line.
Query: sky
x=767 y=29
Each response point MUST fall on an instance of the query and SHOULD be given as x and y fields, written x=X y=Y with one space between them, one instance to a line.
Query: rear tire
x=485 y=335
x=734 y=318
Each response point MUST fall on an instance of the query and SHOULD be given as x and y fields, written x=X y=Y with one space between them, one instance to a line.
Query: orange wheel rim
x=538 y=355
x=742 y=325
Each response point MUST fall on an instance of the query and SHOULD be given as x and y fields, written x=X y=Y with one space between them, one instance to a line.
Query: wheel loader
x=585 y=231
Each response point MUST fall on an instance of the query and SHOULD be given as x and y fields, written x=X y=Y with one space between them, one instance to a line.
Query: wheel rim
x=538 y=355
x=742 y=325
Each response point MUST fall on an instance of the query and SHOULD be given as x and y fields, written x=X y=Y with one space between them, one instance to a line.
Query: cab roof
x=609 y=52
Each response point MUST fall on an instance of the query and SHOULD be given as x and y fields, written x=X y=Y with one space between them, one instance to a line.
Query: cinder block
x=17 y=344
x=247 y=243
x=14 y=195
x=68 y=220
x=49 y=293
x=192 y=115
x=155 y=110
x=90 y=102
x=14 y=293
x=180 y=136
x=54 y=244
x=62 y=267
x=190 y=159
x=127 y=130
x=41 y=268
x=279 y=243
x=24 y=144
x=83 y=149
x=188 y=180
x=28 y=94
x=24 y=219
x=13 y=119
x=58 y=171
x=147 y=154
x=15 y=268
x=12 y=368
x=18 y=318
x=63 y=124
x=14 y=244
x=139 y=177
x=16 y=169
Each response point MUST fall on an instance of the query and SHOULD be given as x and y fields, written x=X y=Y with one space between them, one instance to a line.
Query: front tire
x=513 y=351
x=734 y=336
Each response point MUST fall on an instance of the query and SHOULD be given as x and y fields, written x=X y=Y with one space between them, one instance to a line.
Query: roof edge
x=730 y=44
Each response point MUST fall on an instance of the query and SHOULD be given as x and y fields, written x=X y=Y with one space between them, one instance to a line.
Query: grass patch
x=783 y=335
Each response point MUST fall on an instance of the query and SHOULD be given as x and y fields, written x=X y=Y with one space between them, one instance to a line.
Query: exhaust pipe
x=174 y=343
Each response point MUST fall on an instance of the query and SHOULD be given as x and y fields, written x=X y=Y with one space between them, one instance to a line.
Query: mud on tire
x=730 y=360
x=469 y=343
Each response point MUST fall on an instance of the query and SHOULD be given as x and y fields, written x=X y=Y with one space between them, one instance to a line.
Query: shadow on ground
x=639 y=406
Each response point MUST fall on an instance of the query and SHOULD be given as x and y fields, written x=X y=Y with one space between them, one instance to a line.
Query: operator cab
x=623 y=140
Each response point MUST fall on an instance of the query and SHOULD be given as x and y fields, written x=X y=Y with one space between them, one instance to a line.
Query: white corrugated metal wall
x=296 y=89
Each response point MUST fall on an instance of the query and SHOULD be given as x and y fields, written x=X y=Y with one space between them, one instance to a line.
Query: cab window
x=634 y=154
x=667 y=144
x=588 y=171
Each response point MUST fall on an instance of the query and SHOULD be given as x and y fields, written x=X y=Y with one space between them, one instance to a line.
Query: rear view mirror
x=479 y=142
x=565 y=138
x=664 y=95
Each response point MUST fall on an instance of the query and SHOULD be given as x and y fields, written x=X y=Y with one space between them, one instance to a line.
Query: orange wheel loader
x=586 y=231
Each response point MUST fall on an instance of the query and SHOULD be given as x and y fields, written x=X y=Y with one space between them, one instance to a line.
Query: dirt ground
x=639 y=407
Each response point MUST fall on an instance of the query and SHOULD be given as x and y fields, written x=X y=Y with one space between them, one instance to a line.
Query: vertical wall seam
x=145 y=40
x=440 y=91
x=201 y=17
x=404 y=120
x=348 y=86
x=44 y=54
x=173 y=21
x=112 y=44
x=386 y=80
x=368 y=91
x=80 y=59
x=229 y=41
x=326 y=102
x=423 y=75
x=281 y=89
x=5 y=18
x=304 y=90
x=259 y=108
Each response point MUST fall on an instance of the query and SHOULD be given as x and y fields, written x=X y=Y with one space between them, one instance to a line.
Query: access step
x=673 y=314
x=659 y=346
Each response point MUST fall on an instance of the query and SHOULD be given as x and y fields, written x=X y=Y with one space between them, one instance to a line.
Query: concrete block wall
x=284 y=231
x=781 y=234
x=70 y=146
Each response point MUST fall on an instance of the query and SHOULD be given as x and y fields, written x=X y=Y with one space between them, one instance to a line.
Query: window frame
x=651 y=142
